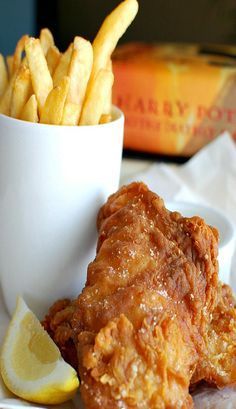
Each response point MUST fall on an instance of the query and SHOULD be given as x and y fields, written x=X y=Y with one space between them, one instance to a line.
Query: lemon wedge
x=31 y=364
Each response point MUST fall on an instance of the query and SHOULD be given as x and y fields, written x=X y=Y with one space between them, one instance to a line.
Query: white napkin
x=208 y=178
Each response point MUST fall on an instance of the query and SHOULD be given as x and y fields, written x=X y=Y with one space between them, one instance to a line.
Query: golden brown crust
x=218 y=364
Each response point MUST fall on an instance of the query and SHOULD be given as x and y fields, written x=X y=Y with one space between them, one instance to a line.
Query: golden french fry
x=46 y=39
x=53 y=57
x=79 y=73
x=30 y=110
x=80 y=68
x=3 y=75
x=109 y=64
x=5 y=102
x=63 y=66
x=9 y=60
x=113 y=27
x=108 y=102
x=20 y=47
x=53 y=109
x=71 y=88
x=96 y=98
x=40 y=75
x=105 y=118
x=22 y=89
x=70 y=114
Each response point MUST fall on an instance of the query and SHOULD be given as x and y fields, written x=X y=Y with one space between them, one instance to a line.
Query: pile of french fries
x=40 y=84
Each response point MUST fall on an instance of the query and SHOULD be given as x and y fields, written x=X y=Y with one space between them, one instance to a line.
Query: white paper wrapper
x=210 y=399
x=208 y=178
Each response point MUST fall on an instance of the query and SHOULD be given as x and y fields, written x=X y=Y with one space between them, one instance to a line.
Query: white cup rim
x=116 y=113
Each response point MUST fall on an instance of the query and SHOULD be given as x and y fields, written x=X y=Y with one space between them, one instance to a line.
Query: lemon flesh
x=31 y=364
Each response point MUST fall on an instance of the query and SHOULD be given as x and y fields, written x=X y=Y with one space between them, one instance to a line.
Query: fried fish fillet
x=137 y=333
x=218 y=362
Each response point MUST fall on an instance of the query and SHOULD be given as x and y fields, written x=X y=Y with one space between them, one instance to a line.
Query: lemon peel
x=31 y=364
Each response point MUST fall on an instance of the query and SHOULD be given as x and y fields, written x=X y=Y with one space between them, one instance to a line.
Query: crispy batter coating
x=145 y=322
x=218 y=364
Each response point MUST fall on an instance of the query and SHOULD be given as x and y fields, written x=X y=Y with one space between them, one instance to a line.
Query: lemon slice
x=31 y=364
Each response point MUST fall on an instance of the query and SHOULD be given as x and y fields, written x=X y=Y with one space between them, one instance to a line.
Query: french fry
x=20 y=47
x=53 y=109
x=3 y=75
x=63 y=66
x=9 y=60
x=46 y=39
x=5 y=102
x=30 y=110
x=105 y=118
x=22 y=89
x=70 y=114
x=108 y=102
x=40 y=75
x=79 y=73
x=96 y=98
x=112 y=29
x=53 y=57
x=70 y=88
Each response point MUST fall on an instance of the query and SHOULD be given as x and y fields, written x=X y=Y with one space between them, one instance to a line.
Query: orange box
x=176 y=98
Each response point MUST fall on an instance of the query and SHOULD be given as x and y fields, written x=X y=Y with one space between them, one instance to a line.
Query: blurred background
x=201 y=78
x=212 y=21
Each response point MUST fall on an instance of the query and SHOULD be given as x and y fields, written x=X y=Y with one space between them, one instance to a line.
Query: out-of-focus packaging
x=176 y=98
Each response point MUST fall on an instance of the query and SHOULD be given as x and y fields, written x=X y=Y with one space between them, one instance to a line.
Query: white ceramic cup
x=216 y=218
x=53 y=179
